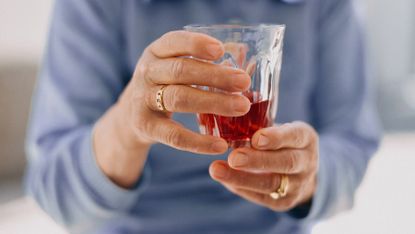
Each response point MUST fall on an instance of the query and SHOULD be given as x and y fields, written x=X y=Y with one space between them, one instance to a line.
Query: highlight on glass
x=256 y=49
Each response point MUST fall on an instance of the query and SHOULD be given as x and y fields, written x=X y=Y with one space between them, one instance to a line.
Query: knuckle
x=167 y=38
x=298 y=137
x=265 y=185
x=177 y=69
x=174 y=137
x=302 y=125
x=143 y=70
x=265 y=160
x=217 y=76
x=291 y=163
x=295 y=154
x=177 y=98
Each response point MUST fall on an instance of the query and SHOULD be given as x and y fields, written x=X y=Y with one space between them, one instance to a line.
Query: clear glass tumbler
x=257 y=49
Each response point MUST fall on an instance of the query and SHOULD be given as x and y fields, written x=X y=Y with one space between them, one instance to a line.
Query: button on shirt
x=91 y=54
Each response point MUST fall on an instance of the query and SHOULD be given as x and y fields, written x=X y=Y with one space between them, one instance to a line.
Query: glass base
x=239 y=143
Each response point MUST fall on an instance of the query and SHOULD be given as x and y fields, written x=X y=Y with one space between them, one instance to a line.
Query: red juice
x=241 y=128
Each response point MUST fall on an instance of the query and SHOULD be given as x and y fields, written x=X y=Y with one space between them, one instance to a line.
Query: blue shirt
x=93 y=48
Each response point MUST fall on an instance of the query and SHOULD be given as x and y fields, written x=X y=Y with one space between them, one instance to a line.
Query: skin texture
x=253 y=173
x=125 y=133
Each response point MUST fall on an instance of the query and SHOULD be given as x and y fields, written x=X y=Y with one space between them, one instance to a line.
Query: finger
x=265 y=183
x=284 y=161
x=182 y=43
x=181 y=98
x=251 y=67
x=282 y=204
x=289 y=135
x=170 y=133
x=193 y=72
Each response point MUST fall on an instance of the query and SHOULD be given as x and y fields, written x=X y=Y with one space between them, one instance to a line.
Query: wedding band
x=159 y=99
x=282 y=189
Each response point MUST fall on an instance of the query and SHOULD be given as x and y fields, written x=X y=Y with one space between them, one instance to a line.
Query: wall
x=23 y=26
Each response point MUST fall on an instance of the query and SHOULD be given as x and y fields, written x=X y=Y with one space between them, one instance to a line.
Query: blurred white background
x=386 y=199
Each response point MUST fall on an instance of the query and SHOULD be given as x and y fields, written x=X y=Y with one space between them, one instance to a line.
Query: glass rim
x=234 y=26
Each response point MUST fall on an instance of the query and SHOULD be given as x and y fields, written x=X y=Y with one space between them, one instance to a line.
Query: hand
x=161 y=64
x=254 y=173
x=124 y=134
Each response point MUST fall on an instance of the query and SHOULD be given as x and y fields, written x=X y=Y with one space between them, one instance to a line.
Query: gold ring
x=159 y=99
x=282 y=190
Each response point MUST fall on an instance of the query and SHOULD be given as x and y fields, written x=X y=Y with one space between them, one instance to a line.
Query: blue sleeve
x=344 y=110
x=82 y=76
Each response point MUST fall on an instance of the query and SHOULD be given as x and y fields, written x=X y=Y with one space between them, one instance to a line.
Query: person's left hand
x=253 y=173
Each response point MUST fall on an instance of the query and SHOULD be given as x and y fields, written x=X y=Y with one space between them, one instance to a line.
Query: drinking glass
x=257 y=49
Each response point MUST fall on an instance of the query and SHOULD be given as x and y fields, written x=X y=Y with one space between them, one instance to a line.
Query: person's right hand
x=135 y=120
x=162 y=63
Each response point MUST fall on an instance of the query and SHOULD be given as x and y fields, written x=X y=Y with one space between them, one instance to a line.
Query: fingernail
x=214 y=50
x=263 y=140
x=220 y=146
x=220 y=171
x=239 y=160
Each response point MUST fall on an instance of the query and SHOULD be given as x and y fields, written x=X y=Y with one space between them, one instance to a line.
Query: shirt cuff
x=104 y=191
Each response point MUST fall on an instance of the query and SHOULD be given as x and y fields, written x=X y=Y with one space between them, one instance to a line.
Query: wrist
x=118 y=151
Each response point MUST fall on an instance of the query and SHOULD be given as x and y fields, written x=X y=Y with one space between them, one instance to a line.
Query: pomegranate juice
x=237 y=128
